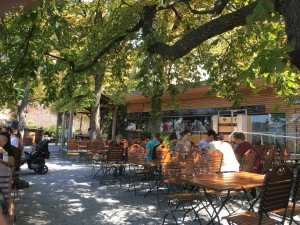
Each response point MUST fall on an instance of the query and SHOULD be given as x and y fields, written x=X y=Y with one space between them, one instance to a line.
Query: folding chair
x=113 y=161
x=275 y=195
x=217 y=156
x=5 y=192
x=248 y=161
x=72 y=149
x=293 y=208
x=179 y=200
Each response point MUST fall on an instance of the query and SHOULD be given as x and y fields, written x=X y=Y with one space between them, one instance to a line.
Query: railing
x=296 y=139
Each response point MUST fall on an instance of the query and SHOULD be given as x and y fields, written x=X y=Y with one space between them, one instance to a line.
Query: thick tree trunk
x=95 y=112
x=290 y=10
x=156 y=116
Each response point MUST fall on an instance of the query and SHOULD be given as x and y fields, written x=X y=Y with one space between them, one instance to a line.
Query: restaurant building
x=265 y=117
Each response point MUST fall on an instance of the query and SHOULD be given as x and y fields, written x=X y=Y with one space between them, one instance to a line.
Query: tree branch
x=145 y=23
x=217 y=9
x=195 y=37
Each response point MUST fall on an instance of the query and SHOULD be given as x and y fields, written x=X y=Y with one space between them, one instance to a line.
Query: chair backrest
x=295 y=191
x=284 y=150
x=91 y=145
x=136 y=152
x=206 y=164
x=217 y=156
x=160 y=152
x=82 y=145
x=137 y=141
x=72 y=144
x=17 y=157
x=115 y=155
x=5 y=181
x=276 y=191
x=268 y=160
x=248 y=161
x=173 y=168
x=100 y=144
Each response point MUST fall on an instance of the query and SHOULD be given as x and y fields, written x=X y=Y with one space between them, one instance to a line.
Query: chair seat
x=250 y=218
x=280 y=212
x=186 y=197
x=222 y=194
x=73 y=153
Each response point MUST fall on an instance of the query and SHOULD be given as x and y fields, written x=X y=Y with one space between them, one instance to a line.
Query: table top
x=226 y=181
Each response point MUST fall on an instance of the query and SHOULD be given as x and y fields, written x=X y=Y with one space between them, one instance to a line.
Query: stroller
x=36 y=159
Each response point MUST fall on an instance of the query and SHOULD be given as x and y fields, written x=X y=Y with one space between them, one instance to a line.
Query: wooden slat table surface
x=226 y=181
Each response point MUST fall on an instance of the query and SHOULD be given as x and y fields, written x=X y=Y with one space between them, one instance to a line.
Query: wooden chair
x=16 y=170
x=217 y=156
x=248 y=161
x=136 y=141
x=293 y=208
x=268 y=160
x=5 y=191
x=178 y=201
x=275 y=195
x=160 y=152
x=72 y=149
x=113 y=161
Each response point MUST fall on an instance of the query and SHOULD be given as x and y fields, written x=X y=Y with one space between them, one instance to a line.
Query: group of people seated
x=232 y=155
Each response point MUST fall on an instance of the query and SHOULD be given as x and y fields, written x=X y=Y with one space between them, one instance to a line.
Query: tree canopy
x=61 y=47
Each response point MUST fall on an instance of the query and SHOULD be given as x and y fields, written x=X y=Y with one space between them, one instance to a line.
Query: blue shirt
x=150 y=145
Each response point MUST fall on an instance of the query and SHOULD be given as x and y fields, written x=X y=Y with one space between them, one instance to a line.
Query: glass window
x=274 y=123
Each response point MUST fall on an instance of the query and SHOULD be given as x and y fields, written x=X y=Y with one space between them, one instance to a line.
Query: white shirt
x=229 y=162
x=14 y=141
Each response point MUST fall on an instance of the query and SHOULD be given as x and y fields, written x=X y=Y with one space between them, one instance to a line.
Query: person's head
x=219 y=137
x=211 y=135
x=186 y=134
x=5 y=140
x=239 y=137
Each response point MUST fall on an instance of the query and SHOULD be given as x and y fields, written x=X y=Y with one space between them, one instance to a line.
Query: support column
x=70 y=133
x=114 y=122
x=63 y=131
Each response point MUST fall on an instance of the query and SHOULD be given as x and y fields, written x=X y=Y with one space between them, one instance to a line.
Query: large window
x=271 y=124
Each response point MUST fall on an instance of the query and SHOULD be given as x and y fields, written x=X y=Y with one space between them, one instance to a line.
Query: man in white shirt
x=229 y=161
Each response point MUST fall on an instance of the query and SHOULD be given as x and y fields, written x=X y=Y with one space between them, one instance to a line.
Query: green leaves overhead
x=61 y=46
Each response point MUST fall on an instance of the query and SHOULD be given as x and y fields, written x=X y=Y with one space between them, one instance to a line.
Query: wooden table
x=235 y=181
x=293 y=160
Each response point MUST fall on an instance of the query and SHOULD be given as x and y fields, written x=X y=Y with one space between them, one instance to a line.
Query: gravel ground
x=69 y=195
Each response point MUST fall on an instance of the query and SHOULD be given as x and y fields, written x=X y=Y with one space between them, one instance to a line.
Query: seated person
x=229 y=162
x=242 y=147
x=6 y=148
x=151 y=144
x=204 y=144
x=184 y=146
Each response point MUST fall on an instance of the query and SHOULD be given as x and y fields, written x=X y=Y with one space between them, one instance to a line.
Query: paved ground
x=68 y=195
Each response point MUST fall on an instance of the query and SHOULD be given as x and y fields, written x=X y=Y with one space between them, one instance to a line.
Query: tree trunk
x=290 y=10
x=95 y=112
x=58 y=123
x=22 y=111
x=156 y=116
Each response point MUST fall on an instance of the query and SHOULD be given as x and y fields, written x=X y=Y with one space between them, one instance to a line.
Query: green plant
x=165 y=137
